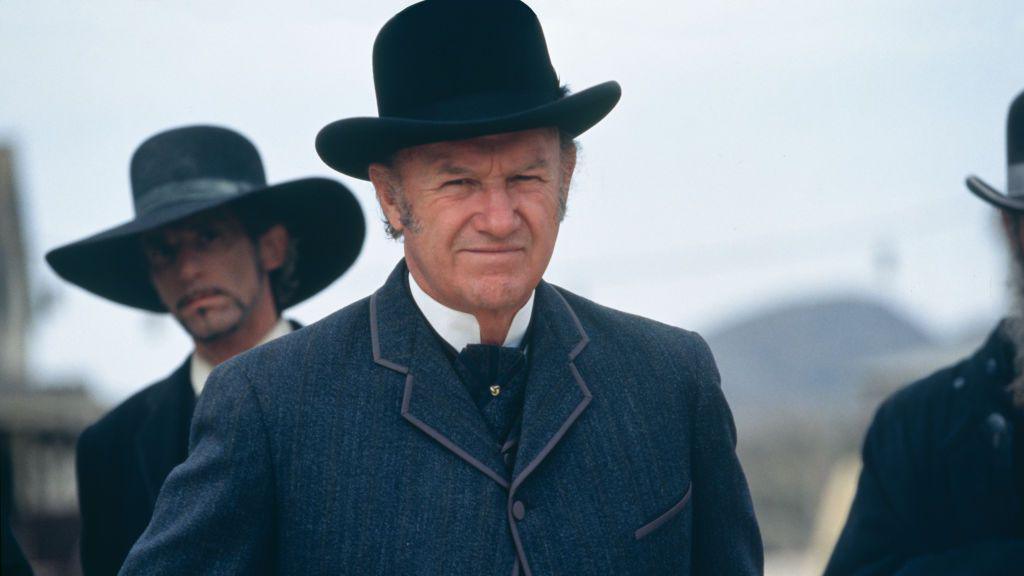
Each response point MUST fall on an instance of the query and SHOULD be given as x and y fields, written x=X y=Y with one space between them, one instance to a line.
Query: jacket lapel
x=556 y=393
x=162 y=440
x=434 y=399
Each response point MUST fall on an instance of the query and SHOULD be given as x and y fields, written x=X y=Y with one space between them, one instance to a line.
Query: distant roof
x=809 y=353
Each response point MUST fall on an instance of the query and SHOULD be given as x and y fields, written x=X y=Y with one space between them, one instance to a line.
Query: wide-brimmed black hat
x=457 y=69
x=1014 y=197
x=185 y=171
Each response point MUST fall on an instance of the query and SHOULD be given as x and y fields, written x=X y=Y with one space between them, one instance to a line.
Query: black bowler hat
x=1014 y=197
x=185 y=171
x=457 y=69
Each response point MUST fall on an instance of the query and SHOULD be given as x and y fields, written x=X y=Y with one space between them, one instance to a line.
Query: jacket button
x=518 y=510
x=959 y=382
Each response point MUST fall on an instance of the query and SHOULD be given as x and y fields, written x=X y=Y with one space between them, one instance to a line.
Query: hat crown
x=193 y=163
x=462 y=60
x=1015 y=131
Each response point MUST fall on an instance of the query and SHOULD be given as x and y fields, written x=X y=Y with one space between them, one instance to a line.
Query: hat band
x=1015 y=180
x=481 y=106
x=195 y=190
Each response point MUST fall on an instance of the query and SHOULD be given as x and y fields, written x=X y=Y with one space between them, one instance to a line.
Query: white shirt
x=200 y=369
x=460 y=329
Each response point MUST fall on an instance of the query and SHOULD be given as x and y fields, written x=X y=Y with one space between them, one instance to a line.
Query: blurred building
x=39 y=423
x=803 y=379
x=14 y=301
x=880 y=378
x=791 y=372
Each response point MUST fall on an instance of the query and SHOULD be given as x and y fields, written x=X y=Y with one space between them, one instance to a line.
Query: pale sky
x=762 y=151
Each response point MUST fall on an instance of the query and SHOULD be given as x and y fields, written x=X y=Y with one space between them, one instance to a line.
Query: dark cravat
x=496 y=379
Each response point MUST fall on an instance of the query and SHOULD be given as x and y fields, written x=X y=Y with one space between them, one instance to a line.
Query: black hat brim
x=322 y=216
x=983 y=190
x=351 y=145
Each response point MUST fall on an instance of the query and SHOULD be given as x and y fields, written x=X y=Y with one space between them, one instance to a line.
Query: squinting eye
x=460 y=182
x=526 y=178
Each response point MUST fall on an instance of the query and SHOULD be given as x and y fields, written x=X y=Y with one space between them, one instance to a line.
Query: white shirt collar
x=460 y=329
x=200 y=368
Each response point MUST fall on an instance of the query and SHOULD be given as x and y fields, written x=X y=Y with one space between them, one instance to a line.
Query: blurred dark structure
x=14 y=301
x=39 y=424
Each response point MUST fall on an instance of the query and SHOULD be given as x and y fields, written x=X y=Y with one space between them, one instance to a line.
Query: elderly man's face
x=210 y=274
x=479 y=217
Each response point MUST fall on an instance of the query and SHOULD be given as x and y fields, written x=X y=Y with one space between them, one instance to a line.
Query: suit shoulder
x=638 y=329
x=927 y=404
x=938 y=385
x=635 y=338
x=327 y=337
x=120 y=422
x=937 y=388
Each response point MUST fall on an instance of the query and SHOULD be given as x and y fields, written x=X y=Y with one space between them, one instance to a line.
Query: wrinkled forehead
x=507 y=151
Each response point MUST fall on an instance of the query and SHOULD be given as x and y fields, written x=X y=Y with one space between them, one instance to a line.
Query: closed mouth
x=198 y=296
x=494 y=250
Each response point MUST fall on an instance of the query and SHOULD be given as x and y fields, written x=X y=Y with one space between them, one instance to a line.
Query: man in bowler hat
x=224 y=253
x=942 y=487
x=468 y=417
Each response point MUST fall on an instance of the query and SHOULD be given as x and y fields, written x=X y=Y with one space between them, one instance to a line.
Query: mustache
x=197 y=293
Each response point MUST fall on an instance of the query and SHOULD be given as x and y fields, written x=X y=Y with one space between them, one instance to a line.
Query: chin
x=211 y=328
x=495 y=294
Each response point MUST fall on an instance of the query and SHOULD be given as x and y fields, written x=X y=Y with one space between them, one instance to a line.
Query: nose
x=189 y=263
x=499 y=216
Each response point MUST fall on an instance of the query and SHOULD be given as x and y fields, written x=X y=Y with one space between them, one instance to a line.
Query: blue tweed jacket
x=351 y=447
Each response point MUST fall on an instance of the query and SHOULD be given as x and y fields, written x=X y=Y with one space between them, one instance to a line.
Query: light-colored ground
x=790 y=563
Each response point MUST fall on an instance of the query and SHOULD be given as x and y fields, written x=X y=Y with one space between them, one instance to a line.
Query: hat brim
x=321 y=215
x=351 y=145
x=983 y=190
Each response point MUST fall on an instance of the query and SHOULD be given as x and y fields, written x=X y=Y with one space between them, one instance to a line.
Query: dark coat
x=122 y=461
x=351 y=447
x=937 y=493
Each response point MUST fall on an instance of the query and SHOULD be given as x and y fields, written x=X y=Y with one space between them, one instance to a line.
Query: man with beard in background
x=942 y=488
x=225 y=254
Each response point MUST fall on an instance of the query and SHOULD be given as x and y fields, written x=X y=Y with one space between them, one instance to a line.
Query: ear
x=383 y=183
x=273 y=247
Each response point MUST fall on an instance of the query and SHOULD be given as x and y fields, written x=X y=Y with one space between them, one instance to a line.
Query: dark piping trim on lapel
x=375 y=344
x=444 y=441
x=407 y=395
x=561 y=431
x=587 y=397
x=536 y=462
x=584 y=340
